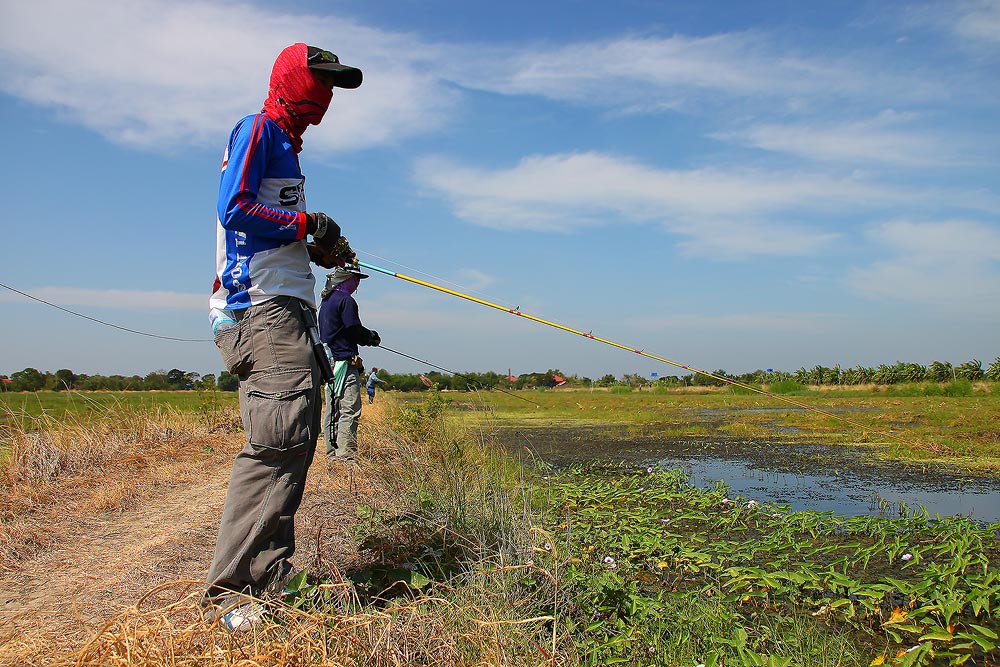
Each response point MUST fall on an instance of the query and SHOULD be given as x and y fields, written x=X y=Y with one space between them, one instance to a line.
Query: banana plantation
x=884 y=374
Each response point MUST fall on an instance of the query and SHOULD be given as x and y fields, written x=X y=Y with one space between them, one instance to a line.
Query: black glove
x=324 y=229
x=374 y=339
x=317 y=255
x=329 y=248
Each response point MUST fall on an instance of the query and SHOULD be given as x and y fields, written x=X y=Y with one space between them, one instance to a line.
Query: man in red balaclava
x=262 y=310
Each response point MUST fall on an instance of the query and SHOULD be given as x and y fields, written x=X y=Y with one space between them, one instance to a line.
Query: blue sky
x=732 y=185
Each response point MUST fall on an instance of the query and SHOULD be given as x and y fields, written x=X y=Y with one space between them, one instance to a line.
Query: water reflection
x=803 y=476
x=851 y=493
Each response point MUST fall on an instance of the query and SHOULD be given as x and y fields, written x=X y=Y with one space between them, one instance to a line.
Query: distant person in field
x=373 y=380
x=263 y=302
x=340 y=328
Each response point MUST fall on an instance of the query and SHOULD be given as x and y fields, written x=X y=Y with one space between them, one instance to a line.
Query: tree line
x=31 y=379
x=899 y=373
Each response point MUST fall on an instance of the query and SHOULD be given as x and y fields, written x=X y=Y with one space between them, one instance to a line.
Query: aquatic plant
x=894 y=583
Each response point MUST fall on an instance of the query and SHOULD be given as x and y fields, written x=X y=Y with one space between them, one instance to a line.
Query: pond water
x=804 y=476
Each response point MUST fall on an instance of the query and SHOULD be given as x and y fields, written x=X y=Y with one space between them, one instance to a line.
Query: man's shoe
x=234 y=611
x=243 y=616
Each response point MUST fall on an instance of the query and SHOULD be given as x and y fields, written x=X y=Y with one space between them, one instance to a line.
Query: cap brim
x=344 y=76
x=352 y=273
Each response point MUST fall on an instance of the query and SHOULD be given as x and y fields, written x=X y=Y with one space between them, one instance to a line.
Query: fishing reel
x=341 y=254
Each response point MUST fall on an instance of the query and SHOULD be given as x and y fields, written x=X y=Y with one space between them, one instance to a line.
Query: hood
x=296 y=99
x=342 y=279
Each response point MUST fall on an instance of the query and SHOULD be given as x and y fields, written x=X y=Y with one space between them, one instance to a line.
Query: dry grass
x=164 y=629
x=416 y=477
x=82 y=465
x=41 y=449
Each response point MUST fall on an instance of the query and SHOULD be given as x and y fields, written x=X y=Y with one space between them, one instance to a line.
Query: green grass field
x=907 y=422
x=917 y=422
x=22 y=408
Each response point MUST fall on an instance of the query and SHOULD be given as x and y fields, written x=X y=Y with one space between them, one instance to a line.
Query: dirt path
x=93 y=566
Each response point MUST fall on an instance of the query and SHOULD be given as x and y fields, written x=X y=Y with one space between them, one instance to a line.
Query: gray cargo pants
x=342 y=414
x=280 y=404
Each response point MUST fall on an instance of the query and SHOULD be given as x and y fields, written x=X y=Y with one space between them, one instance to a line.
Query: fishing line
x=424 y=273
x=517 y=312
x=513 y=311
x=209 y=340
x=466 y=377
x=107 y=324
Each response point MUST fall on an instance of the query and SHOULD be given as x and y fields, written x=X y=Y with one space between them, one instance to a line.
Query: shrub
x=959 y=387
x=788 y=387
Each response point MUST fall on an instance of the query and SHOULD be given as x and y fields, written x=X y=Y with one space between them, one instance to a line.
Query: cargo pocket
x=235 y=347
x=278 y=410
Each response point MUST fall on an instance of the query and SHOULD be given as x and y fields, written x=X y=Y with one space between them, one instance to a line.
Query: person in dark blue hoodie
x=340 y=328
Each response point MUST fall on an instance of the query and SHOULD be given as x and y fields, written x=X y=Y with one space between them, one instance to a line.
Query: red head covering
x=296 y=99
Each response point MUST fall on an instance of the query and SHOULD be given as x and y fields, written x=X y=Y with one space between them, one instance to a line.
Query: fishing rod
x=516 y=311
x=466 y=377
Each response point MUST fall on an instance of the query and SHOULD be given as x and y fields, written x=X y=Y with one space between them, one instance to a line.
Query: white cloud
x=717 y=211
x=161 y=73
x=948 y=241
x=662 y=72
x=112 y=298
x=165 y=73
x=972 y=25
x=978 y=19
x=950 y=263
x=735 y=238
x=474 y=279
x=758 y=322
x=428 y=314
x=878 y=140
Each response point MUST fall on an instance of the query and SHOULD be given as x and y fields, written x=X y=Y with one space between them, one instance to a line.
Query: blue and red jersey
x=261 y=224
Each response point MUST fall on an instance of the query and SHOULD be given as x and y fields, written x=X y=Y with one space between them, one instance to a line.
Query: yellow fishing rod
x=517 y=312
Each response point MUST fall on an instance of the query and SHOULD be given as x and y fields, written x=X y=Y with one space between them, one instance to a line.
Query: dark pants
x=280 y=403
